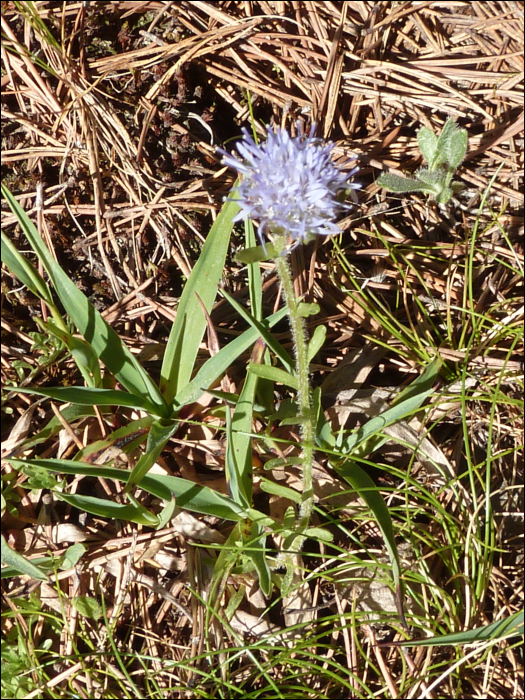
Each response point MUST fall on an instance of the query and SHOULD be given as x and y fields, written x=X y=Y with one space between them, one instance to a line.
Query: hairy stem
x=300 y=343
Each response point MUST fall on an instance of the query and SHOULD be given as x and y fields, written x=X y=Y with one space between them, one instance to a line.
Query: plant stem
x=300 y=343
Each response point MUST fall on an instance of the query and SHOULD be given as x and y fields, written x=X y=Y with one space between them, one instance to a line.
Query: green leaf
x=289 y=523
x=239 y=457
x=508 y=627
x=88 y=396
x=278 y=490
x=432 y=178
x=219 y=363
x=316 y=342
x=262 y=519
x=233 y=468
x=306 y=310
x=16 y=561
x=287 y=579
x=293 y=420
x=392 y=415
x=109 y=509
x=287 y=409
x=72 y=556
x=457 y=148
x=443 y=144
x=421 y=384
x=190 y=322
x=158 y=436
x=191 y=496
x=126 y=439
x=445 y=194
x=365 y=487
x=324 y=435
x=319 y=533
x=236 y=598
x=249 y=256
x=396 y=183
x=24 y=270
x=449 y=148
x=274 y=374
x=281 y=462
x=83 y=354
x=168 y=512
x=226 y=560
x=87 y=606
x=90 y=324
x=229 y=398
x=257 y=553
x=254 y=275
x=263 y=331
x=427 y=141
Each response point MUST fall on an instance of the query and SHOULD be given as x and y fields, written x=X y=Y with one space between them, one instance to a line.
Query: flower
x=290 y=185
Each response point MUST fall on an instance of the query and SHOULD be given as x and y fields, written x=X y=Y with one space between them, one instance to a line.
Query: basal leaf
x=190 y=322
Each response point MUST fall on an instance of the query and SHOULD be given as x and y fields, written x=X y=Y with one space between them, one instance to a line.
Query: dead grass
x=111 y=116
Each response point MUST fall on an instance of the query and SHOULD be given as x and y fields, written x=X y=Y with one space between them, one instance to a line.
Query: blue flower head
x=290 y=185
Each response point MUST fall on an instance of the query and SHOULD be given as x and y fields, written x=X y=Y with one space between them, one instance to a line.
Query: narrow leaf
x=263 y=331
x=239 y=458
x=324 y=436
x=88 y=396
x=83 y=354
x=189 y=495
x=22 y=565
x=90 y=324
x=316 y=342
x=257 y=553
x=365 y=487
x=274 y=374
x=24 y=270
x=509 y=626
x=421 y=384
x=219 y=363
x=109 y=509
x=254 y=275
x=391 y=415
x=190 y=323
x=126 y=439
x=279 y=490
x=159 y=435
